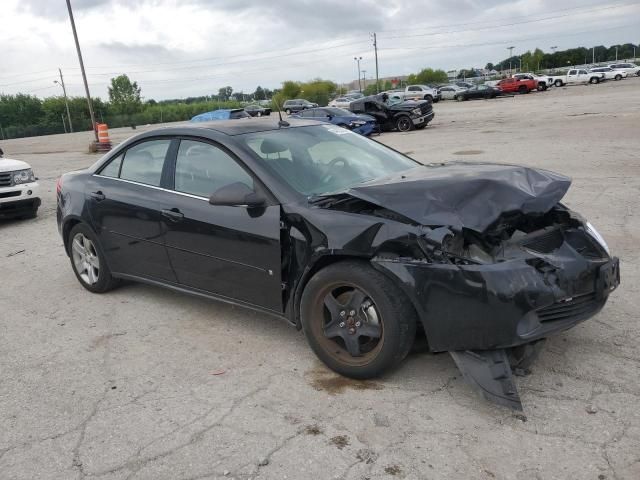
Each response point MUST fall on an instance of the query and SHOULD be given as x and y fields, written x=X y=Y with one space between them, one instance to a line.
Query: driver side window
x=202 y=168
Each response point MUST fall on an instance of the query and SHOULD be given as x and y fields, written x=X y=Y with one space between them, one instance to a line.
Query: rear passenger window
x=201 y=169
x=143 y=163
x=113 y=168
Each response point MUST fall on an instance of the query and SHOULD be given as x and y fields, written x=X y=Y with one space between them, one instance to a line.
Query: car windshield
x=338 y=112
x=318 y=160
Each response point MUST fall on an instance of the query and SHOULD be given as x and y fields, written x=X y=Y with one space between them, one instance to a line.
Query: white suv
x=19 y=190
x=423 y=92
x=630 y=68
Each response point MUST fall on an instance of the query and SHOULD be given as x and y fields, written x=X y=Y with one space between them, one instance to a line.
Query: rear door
x=125 y=202
x=232 y=252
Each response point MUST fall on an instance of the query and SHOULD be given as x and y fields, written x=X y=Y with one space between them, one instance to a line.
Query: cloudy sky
x=179 y=48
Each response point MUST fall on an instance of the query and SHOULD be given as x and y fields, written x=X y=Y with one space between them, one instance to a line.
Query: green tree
x=124 y=95
x=225 y=93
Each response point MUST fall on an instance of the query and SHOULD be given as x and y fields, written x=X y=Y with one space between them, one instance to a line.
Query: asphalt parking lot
x=144 y=383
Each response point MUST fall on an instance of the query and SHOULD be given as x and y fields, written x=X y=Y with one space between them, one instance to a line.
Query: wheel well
x=65 y=232
x=321 y=263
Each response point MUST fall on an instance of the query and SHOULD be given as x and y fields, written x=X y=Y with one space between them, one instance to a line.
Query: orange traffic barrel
x=104 y=142
x=103 y=133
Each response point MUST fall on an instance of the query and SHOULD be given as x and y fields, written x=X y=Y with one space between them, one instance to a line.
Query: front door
x=125 y=202
x=232 y=252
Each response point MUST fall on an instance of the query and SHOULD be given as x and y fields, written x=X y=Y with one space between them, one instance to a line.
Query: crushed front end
x=480 y=295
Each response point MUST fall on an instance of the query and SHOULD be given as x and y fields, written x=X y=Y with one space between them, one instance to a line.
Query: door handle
x=174 y=215
x=97 y=196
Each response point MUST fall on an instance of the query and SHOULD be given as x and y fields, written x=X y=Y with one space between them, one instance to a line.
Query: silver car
x=449 y=92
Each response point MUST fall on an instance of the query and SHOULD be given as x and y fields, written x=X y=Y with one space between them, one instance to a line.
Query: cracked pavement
x=144 y=383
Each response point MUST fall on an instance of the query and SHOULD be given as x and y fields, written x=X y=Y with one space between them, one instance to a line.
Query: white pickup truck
x=422 y=92
x=576 y=76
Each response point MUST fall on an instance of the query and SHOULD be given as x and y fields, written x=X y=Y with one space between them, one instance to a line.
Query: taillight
x=59 y=186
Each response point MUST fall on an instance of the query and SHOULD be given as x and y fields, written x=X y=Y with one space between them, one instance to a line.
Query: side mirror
x=236 y=194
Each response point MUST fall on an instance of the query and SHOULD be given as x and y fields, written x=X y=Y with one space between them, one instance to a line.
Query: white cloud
x=193 y=47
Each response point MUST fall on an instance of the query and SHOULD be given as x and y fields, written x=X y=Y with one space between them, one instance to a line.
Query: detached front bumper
x=19 y=199
x=503 y=305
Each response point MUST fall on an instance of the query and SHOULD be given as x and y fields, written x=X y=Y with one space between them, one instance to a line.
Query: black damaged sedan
x=347 y=239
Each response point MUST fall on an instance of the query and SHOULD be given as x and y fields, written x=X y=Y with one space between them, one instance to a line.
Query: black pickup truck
x=401 y=116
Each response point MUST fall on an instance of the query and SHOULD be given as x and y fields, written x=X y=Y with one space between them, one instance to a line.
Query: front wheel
x=404 y=124
x=618 y=77
x=594 y=80
x=542 y=88
x=356 y=320
x=558 y=83
x=459 y=98
x=288 y=111
x=88 y=261
x=522 y=90
x=259 y=114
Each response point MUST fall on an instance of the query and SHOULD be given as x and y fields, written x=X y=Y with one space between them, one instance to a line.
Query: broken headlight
x=591 y=230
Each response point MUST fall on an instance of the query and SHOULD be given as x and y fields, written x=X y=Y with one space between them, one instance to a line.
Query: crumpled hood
x=469 y=195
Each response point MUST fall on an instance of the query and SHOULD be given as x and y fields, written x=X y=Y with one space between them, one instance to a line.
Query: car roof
x=238 y=127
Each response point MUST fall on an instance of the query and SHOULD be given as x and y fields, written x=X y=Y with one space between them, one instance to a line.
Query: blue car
x=222 y=114
x=362 y=124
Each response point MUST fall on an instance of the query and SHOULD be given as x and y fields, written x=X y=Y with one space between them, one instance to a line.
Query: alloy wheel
x=404 y=124
x=348 y=325
x=85 y=259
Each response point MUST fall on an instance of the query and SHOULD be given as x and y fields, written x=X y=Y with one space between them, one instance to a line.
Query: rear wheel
x=558 y=83
x=594 y=80
x=459 y=98
x=288 y=111
x=542 y=87
x=259 y=114
x=522 y=89
x=428 y=97
x=356 y=320
x=88 y=260
x=404 y=123
x=618 y=77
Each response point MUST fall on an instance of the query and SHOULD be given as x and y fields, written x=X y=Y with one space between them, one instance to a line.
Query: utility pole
x=593 y=55
x=375 y=49
x=554 y=48
x=616 y=53
x=364 y=79
x=357 y=59
x=64 y=127
x=84 y=75
x=510 y=55
x=66 y=101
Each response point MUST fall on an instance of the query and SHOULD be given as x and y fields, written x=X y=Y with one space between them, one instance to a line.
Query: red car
x=515 y=85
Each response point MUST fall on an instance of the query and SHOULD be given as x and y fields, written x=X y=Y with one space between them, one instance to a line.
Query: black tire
x=558 y=83
x=105 y=280
x=522 y=90
x=288 y=111
x=542 y=87
x=594 y=80
x=395 y=316
x=404 y=123
x=259 y=114
x=428 y=97
x=618 y=77
x=460 y=98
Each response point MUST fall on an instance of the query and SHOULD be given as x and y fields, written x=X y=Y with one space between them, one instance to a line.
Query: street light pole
x=357 y=59
x=364 y=79
x=616 y=53
x=66 y=100
x=84 y=75
x=554 y=48
x=375 y=49
x=510 y=55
